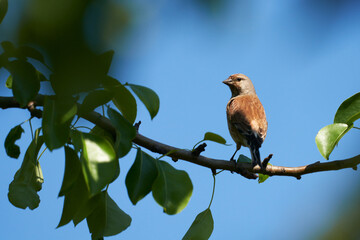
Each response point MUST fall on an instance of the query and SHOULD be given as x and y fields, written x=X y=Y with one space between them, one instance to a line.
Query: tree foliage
x=79 y=83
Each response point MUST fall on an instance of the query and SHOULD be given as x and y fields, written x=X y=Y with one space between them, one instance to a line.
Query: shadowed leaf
x=107 y=219
x=202 y=227
x=3 y=9
x=141 y=176
x=148 y=97
x=57 y=117
x=95 y=99
x=172 y=188
x=28 y=179
x=13 y=150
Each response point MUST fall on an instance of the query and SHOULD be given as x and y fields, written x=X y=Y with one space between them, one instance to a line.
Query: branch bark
x=178 y=153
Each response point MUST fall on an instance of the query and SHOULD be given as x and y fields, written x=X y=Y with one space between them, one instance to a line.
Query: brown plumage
x=245 y=116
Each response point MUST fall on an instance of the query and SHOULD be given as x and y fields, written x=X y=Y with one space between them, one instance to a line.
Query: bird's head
x=240 y=84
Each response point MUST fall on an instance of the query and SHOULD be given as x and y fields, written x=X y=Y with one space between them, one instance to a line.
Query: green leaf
x=28 y=179
x=99 y=162
x=3 y=9
x=86 y=209
x=75 y=199
x=72 y=170
x=141 y=176
x=243 y=159
x=31 y=52
x=214 y=137
x=263 y=177
x=329 y=136
x=349 y=110
x=107 y=219
x=172 y=188
x=9 y=48
x=105 y=61
x=13 y=150
x=25 y=83
x=95 y=99
x=9 y=81
x=202 y=227
x=148 y=97
x=57 y=117
x=125 y=132
x=123 y=99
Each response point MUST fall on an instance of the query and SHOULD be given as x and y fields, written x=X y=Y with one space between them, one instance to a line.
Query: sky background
x=303 y=58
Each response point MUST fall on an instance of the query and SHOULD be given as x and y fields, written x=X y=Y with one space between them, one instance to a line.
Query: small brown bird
x=245 y=116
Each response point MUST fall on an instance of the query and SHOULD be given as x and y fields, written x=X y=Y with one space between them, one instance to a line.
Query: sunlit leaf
x=263 y=177
x=72 y=170
x=329 y=136
x=75 y=199
x=125 y=132
x=202 y=227
x=95 y=99
x=13 y=150
x=25 y=83
x=172 y=188
x=349 y=110
x=210 y=136
x=107 y=219
x=28 y=179
x=99 y=162
x=3 y=9
x=148 y=97
x=141 y=176
x=122 y=98
x=57 y=117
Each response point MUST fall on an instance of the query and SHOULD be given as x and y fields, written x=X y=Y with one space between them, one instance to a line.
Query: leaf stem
x=197 y=144
x=213 y=191
x=41 y=154
x=31 y=129
x=356 y=128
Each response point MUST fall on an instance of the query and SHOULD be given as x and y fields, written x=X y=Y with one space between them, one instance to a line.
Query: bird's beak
x=227 y=81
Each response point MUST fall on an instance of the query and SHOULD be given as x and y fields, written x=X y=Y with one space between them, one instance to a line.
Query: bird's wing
x=248 y=116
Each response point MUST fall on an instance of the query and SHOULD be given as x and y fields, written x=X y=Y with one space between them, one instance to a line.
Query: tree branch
x=178 y=153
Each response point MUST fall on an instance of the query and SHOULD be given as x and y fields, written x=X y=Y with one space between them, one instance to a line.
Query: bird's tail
x=255 y=156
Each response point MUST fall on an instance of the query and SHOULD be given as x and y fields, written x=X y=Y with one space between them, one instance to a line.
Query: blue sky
x=303 y=59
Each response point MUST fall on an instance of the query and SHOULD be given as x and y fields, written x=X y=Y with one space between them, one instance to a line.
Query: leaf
x=57 y=117
x=122 y=98
x=75 y=199
x=148 y=97
x=25 y=83
x=349 y=110
x=31 y=52
x=105 y=61
x=202 y=227
x=107 y=219
x=9 y=80
x=141 y=176
x=13 y=150
x=3 y=9
x=329 y=136
x=243 y=159
x=125 y=132
x=263 y=177
x=172 y=188
x=95 y=99
x=99 y=162
x=72 y=170
x=8 y=47
x=214 y=137
x=28 y=179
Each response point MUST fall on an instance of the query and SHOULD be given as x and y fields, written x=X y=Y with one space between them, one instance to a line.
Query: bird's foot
x=233 y=160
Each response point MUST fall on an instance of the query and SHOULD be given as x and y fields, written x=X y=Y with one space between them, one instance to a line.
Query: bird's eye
x=238 y=79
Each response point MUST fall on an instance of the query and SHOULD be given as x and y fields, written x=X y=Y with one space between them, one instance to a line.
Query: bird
x=246 y=117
